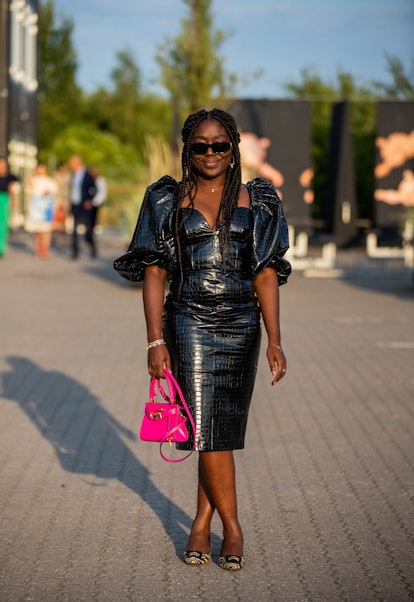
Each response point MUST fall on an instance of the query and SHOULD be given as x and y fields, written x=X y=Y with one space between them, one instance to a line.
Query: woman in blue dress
x=219 y=244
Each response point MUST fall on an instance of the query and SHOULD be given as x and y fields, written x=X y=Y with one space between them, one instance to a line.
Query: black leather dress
x=211 y=320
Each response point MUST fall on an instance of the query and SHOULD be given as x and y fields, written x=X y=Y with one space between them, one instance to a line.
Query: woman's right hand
x=158 y=359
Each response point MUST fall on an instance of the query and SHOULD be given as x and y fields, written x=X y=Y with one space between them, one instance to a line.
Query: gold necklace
x=210 y=189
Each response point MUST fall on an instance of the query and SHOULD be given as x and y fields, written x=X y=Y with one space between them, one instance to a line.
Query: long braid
x=231 y=190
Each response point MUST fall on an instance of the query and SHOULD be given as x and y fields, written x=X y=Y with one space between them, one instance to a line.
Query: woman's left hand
x=277 y=362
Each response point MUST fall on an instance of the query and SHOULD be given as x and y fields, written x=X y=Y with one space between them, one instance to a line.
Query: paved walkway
x=326 y=482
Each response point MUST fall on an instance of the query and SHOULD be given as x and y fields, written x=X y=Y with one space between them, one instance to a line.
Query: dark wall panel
x=276 y=144
x=394 y=170
x=340 y=205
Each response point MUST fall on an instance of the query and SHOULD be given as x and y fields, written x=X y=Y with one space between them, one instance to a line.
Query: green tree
x=113 y=157
x=126 y=78
x=402 y=79
x=192 y=70
x=125 y=109
x=59 y=96
x=116 y=109
x=97 y=109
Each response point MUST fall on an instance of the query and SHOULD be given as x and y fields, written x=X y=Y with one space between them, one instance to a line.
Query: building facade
x=19 y=22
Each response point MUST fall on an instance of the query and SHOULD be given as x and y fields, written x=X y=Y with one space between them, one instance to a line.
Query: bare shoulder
x=244 y=198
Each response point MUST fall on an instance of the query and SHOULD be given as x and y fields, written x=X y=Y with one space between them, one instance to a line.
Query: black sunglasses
x=200 y=148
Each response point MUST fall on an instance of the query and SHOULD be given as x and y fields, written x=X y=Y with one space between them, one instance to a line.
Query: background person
x=83 y=190
x=220 y=244
x=9 y=184
x=63 y=178
x=101 y=193
x=42 y=192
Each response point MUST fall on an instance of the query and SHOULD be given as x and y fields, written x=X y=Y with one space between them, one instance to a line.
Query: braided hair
x=231 y=190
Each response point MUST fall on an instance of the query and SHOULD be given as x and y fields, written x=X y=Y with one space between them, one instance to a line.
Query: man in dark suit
x=83 y=190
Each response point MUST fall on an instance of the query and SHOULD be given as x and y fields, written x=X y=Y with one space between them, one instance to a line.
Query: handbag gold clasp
x=156 y=415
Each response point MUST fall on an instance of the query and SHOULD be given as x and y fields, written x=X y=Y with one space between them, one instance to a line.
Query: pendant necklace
x=210 y=189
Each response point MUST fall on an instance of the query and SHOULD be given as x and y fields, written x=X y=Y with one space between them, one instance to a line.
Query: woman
x=220 y=244
x=9 y=188
x=42 y=190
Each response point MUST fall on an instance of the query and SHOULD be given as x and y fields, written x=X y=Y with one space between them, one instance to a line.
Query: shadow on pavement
x=102 y=268
x=86 y=438
x=400 y=287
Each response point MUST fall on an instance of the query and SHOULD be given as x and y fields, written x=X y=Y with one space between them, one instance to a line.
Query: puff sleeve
x=270 y=231
x=153 y=241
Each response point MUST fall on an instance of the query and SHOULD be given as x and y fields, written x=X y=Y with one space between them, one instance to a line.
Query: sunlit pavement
x=326 y=481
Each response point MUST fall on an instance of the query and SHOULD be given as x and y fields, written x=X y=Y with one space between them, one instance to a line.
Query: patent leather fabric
x=211 y=319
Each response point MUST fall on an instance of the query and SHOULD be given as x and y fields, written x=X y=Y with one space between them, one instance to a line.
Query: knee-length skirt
x=214 y=356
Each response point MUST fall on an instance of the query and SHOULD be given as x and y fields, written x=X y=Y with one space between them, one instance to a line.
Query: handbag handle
x=173 y=389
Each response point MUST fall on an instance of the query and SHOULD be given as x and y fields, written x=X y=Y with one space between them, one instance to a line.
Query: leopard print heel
x=231 y=562
x=196 y=558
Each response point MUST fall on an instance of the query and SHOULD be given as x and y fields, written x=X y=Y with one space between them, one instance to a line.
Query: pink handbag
x=165 y=422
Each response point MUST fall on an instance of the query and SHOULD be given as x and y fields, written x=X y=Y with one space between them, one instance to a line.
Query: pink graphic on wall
x=395 y=150
x=253 y=151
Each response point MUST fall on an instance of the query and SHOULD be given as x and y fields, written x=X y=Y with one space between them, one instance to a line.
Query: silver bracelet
x=155 y=343
x=278 y=346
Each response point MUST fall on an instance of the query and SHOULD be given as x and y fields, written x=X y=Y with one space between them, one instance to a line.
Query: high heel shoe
x=231 y=562
x=196 y=558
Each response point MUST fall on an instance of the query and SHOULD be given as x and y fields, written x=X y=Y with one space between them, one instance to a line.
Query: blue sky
x=278 y=37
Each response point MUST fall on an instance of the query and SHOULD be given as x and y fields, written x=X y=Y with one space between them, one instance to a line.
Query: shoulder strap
x=174 y=386
x=173 y=389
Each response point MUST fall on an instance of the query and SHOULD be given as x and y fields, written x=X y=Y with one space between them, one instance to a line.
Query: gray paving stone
x=326 y=482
